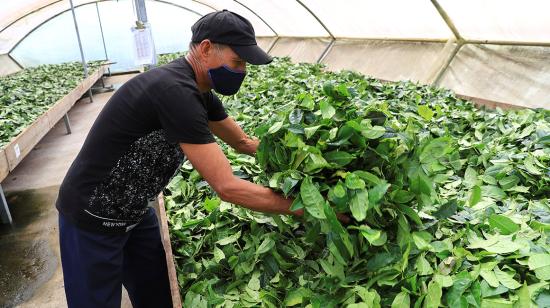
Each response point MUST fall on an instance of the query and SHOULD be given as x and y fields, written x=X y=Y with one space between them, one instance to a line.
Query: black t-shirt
x=132 y=150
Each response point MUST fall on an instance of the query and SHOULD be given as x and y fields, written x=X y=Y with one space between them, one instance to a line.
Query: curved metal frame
x=253 y=12
x=327 y=50
x=27 y=14
x=77 y=6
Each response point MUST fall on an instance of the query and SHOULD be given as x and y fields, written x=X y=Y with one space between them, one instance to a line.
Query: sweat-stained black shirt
x=132 y=150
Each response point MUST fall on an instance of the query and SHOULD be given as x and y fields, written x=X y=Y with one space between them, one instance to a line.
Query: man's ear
x=205 y=48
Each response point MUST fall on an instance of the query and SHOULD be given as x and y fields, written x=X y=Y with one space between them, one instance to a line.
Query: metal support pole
x=447 y=20
x=317 y=18
x=102 y=37
x=141 y=11
x=84 y=65
x=67 y=123
x=259 y=16
x=326 y=51
x=268 y=50
x=4 y=209
x=447 y=63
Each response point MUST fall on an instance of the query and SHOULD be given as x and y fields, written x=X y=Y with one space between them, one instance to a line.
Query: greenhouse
x=289 y=153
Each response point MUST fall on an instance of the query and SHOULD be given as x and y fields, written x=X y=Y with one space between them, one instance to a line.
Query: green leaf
x=524 y=298
x=377 y=193
x=410 y=213
x=297 y=204
x=490 y=277
x=422 y=240
x=496 y=303
x=211 y=204
x=529 y=164
x=354 y=182
x=508 y=182
x=402 y=196
x=504 y=224
x=312 y=198
x=433 y=297
x=446 y=210
x=327 y=111
x=470 y=177
x=540 y=263
x=339 y=190
x=339 y=158
x=493 y=192
x=506 y=279
x=402 y=300
x=422 y=266
x=435 y=149
x=295 y=117
x=475 y=195
x=295 y=297
x=314 y=163
x=543 y=299
x=460 y=284
x=374 y=237
x=359 y=204
x=310 y=131
x=266 y=245
x=374 y=132
x=425 y=112
x=218 y=254
x=497 y=244
x=275 y=128
x=337 y=228
x=229 y=239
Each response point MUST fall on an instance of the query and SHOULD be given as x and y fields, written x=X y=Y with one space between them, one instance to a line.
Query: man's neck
x=200 y=73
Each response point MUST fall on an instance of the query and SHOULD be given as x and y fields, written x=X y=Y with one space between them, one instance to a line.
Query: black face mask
x=225 y=80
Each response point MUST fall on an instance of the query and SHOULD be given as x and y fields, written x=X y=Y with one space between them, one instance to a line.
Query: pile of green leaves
x=26 y=95
x=169 y=57
x=449 y=202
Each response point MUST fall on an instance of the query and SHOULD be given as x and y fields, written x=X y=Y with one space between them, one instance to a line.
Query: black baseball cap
x=228 y=28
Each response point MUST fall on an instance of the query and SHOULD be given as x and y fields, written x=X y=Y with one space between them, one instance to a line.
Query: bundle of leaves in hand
x=449 y=202
x=26 y=95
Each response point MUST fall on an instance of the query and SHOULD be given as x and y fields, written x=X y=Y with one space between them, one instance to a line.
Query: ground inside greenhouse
x=30 y=266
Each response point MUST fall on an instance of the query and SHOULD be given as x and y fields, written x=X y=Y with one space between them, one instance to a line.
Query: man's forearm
x=256 y=197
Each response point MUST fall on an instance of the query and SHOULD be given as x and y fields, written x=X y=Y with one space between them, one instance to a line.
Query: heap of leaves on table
x=449 y=202
x=26 y=95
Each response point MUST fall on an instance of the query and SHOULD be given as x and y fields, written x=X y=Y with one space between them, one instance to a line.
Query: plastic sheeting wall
x=7 y=65
x=299 y=49
x=384 y=59
x=516 y=75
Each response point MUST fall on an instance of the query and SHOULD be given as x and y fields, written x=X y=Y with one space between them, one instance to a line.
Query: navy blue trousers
x=95 y=266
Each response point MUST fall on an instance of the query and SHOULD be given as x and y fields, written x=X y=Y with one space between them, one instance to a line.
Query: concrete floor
x=30 y=267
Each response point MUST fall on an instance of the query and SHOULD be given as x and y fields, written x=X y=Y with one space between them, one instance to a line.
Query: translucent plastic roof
x=500 y=20
x=490 y=49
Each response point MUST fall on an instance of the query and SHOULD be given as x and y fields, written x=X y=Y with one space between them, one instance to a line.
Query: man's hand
x=231 y=133
x=249 y=146
x=213 y=166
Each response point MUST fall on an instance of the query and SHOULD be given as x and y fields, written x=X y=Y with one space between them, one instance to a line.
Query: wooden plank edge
x=26 y=141
x=165 y=234
x=4 y=167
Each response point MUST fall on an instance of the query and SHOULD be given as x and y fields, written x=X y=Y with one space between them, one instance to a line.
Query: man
x=108 y=234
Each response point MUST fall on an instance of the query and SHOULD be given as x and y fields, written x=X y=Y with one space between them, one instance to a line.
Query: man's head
x=221 y=45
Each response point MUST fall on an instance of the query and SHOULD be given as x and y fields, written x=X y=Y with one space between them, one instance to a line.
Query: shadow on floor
x=27 y=258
